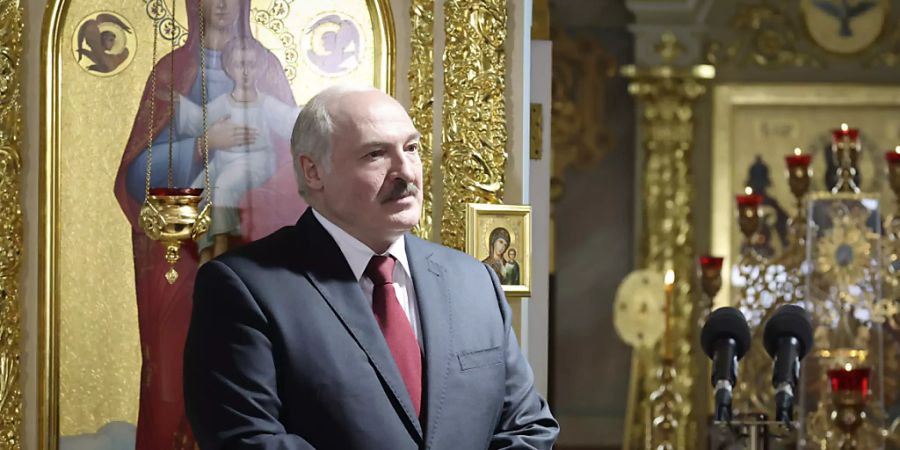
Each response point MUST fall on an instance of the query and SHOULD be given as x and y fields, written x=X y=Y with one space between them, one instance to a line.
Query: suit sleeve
x=230 y=384
x=526 y=421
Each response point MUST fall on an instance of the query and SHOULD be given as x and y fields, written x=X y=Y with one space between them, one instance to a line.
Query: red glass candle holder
x=708 y=262
x=710 y=274
x=852 y=381
x=175 y=191
x=801 y=160
x=839 y=134
x=749 y=200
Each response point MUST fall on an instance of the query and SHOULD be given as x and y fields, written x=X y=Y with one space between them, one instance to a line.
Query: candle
x=798 y=159
x=667 y=338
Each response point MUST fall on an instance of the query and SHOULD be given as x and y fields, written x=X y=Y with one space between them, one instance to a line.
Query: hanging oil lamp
x=172 y=215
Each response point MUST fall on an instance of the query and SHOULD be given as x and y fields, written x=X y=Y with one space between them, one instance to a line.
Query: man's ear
x=311 y=173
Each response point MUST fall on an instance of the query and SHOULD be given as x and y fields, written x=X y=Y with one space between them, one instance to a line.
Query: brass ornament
x=421 y=90
x=666 y=96
x=172 y=215
x=474 y=133
x=172 y=219
x=12 y=23
x=639 y=309
x=664 y=407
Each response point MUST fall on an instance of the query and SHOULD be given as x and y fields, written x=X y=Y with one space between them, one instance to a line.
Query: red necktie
x=395 y=326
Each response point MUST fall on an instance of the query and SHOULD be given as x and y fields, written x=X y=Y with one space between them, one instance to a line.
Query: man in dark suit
x=346 y=332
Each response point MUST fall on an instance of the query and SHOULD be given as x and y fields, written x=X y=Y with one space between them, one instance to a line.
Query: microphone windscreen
x=789 y=321
x=725 y=323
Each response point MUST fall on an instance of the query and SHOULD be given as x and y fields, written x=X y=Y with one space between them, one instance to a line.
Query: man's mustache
x=400 y=189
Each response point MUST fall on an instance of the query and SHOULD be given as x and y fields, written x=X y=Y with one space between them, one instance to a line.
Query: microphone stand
x=755 y=427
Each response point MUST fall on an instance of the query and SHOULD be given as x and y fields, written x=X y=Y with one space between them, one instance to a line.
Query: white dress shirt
x=358 y=255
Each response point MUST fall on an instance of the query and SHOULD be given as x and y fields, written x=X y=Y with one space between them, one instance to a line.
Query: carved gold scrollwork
x=11 y=240
x=666 y=96
x=580 y=134
x=474 y=134
x=421 y=89
x=770 y=33
x=767 y=37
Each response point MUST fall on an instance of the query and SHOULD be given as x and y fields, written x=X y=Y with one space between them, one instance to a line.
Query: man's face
x=374 y=186
x=221 y=13
x=242 y=66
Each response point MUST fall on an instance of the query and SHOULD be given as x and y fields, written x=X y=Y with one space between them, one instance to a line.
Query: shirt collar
x=358 y=254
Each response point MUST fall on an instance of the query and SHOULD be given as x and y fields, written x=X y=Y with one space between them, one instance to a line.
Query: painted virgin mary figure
x=164 y=310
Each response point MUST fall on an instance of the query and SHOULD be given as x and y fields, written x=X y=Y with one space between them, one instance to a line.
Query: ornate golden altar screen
x=787 y=149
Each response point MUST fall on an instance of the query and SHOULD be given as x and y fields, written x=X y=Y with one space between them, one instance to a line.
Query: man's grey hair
x=313 y=129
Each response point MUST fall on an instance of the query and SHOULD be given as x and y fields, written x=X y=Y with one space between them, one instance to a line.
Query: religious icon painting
x=845 y=27
x=115 y=325
x=104 y=44
x=500 y=237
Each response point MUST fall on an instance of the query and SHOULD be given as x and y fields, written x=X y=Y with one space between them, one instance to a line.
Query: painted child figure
x=235 y=170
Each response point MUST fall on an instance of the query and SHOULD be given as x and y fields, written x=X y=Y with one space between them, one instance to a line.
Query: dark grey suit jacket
x=284 y=353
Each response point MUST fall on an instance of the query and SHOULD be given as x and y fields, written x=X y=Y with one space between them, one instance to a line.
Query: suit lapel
x=329 y=272
x=436 y=320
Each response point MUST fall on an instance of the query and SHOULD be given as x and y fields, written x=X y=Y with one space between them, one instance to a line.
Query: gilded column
x=11 y=246
x=474 y=133
x=421 y=89
x=666 y=96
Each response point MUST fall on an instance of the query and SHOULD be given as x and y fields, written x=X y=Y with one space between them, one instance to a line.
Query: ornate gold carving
x=889 y=56
x=766 y=37
x=474 y=134
x=580 y=136
x=421 y=90
x=666 y=95
x=273 y=19
x=11 y=28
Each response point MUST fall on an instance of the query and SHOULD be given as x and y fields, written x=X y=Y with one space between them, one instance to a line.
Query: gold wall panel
x=474 y=130
x=421 y=89
x=12 y=24
x=90 y=359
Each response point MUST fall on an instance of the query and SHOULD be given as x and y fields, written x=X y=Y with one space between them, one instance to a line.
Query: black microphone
x=787 y=338
x=725 y=338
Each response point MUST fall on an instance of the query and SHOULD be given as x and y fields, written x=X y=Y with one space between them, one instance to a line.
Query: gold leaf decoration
x=421 y=89
x=11 y=240
x=474 y=134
